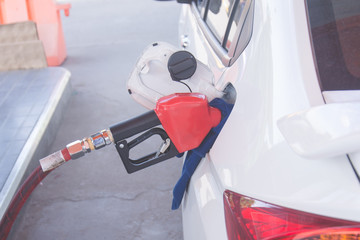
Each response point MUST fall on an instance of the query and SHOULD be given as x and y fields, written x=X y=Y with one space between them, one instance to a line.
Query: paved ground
x=94 y=197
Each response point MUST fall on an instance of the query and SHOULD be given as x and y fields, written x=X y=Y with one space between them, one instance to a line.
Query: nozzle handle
x=134 y=126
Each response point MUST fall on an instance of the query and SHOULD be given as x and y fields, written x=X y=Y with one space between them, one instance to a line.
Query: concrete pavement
x=94 y=197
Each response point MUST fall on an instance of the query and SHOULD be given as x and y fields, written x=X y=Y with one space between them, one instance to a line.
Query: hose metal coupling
x=100 y=139
x=96 y=141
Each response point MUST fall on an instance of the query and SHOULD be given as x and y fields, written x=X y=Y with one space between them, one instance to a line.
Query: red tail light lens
x=250 y=219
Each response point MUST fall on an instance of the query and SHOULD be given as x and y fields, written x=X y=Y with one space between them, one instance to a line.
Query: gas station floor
x=94 y=197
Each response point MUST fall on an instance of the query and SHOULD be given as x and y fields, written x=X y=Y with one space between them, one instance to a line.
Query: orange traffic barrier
x=46 y=14
x=12 y=11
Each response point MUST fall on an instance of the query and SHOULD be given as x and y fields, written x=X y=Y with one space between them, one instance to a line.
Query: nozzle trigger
x=167 y=150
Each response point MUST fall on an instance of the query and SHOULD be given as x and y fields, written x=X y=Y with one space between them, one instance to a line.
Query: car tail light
x=250 y=219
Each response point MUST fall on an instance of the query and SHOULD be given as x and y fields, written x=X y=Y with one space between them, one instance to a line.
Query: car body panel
x=274 y=76
x=347 y=96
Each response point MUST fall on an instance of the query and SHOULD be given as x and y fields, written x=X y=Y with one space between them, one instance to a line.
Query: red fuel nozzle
x=187 y=118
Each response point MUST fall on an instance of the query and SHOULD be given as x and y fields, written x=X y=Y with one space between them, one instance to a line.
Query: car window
x=227 y=25
x=201 y=5
x=238 y=10
x=218 y=17
x=335 y=34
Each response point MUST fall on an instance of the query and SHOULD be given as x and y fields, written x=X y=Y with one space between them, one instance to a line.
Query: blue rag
x=194 y=156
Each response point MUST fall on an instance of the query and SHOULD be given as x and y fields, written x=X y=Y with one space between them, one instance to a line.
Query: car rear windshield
x=335 y=33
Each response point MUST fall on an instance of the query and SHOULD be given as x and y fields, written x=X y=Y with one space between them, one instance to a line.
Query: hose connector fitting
x=77 y=149
x=101 y=139
x=96 y=141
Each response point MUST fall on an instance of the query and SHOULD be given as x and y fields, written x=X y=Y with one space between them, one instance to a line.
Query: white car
x=286 y=164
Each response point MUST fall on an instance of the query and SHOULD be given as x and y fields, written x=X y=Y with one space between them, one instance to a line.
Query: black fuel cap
x=181 y=65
